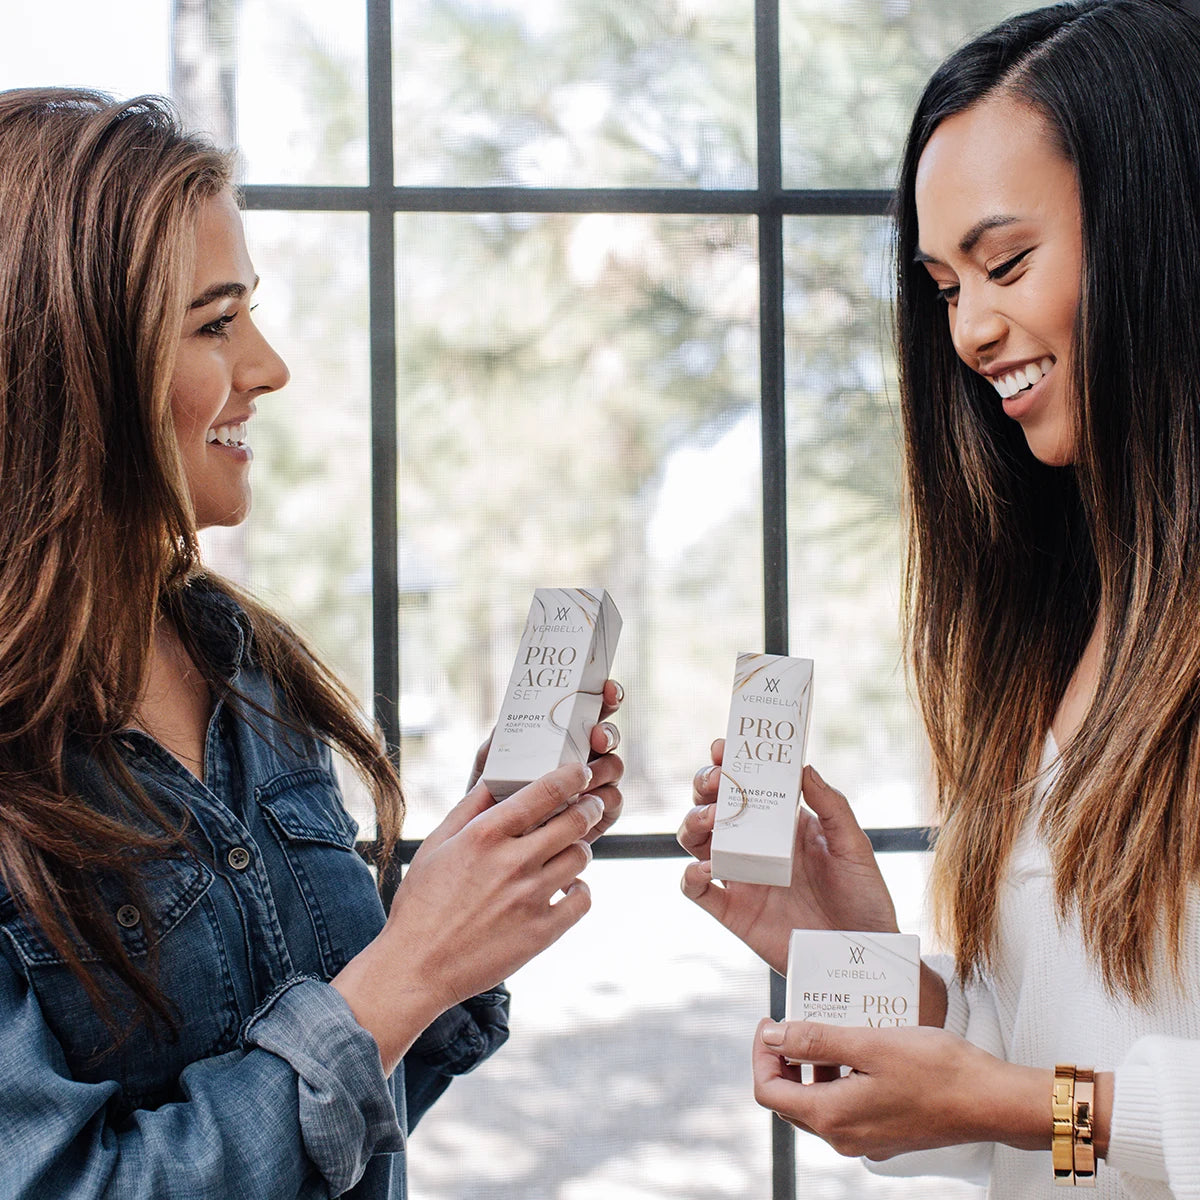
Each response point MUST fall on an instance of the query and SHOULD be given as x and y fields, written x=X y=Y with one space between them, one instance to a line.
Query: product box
x=556 y=687
x=864 y=979
x=754 y=828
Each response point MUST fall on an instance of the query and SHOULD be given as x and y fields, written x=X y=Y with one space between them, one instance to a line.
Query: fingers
x=695 y=830
x=611 y=698
x=705 y=784
x=573 y=906
x=607 y=770
x=604 y=738
x=570 y=826
x=778 y=1085
x=610 y=796
x=565 y=867
x=533 y=804
x=778 y=1081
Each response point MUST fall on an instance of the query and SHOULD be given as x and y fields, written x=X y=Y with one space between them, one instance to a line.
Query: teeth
x=227 y=435
x=1022 y=378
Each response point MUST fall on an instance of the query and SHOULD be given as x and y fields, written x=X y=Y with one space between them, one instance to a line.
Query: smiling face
x=999 y=231
x=223 y=363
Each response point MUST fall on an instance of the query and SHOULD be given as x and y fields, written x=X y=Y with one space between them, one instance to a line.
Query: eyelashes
x=1005 y=267
x=220 y=326
x=949 y=294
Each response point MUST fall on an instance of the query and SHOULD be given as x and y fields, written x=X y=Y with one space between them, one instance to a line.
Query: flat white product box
x=556 y=687
x=758 y=801
x=861 y=979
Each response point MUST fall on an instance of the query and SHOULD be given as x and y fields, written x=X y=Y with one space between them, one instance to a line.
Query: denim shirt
x=270 y=1089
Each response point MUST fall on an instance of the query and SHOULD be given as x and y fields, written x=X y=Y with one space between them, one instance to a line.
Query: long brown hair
x=1012 y=562
x=99 y=201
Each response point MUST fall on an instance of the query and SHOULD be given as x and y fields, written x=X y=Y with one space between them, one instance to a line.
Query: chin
x=1054 y=451
x=223 y=517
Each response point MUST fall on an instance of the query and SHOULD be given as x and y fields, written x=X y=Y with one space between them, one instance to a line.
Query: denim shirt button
x=128 y=916
x=239 y=858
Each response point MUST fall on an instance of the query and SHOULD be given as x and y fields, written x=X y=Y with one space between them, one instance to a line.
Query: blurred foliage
x=606 y=93
x=851 y=72
x=578 y=393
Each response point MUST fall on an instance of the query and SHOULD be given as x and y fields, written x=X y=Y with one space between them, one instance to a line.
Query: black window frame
x=768 y=203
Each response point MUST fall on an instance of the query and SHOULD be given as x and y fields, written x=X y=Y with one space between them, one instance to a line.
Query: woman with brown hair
x=1047 y=237
x=199 y=993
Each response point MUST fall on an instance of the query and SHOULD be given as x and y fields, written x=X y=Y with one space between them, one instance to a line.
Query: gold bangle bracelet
x=1062 y=1115
x=1085 y=1154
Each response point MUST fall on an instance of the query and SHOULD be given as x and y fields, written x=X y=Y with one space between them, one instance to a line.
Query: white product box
x=555 y=690
x=754 y=828
x=863 y=979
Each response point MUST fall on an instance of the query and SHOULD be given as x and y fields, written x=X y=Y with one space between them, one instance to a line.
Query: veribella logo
x=562 y=613
x=772 y=685
x=856 y=954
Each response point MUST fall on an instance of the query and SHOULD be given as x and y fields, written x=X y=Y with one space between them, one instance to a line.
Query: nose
x=260 y=368
x=976 y=326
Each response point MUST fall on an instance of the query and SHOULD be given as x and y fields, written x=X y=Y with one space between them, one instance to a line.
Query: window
x=582 y=292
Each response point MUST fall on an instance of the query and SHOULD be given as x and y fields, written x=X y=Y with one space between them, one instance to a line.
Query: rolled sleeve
x=457 y=1042
x=345 y=1103
x=244 y=1126
x=1156 y=1113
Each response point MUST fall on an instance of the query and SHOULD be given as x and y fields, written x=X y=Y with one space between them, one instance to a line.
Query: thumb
x=817 y=1043
x=842 y=831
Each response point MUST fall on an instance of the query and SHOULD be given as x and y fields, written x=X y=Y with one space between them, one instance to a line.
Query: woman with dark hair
x=1048 y=235
x=199 y=993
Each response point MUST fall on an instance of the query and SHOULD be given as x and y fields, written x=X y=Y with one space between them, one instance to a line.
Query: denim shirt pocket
x=317 y=837
x=179 y=925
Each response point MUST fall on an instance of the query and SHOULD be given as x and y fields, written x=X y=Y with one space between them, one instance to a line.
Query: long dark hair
x=1011 y=562
x=99 y=201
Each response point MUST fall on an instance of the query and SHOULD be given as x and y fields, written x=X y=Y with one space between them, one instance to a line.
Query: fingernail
x=611 y=737
x=772 y=1034
x=704 y=776
x=587 y=781
x=817 y=775
x=619 y=690
x=598 y=805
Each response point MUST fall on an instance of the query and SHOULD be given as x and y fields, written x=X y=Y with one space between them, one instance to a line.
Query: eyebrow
x=971 y=238
x=221 y=291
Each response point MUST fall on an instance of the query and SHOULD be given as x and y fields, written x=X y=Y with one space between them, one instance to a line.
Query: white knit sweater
x=1044 y=1004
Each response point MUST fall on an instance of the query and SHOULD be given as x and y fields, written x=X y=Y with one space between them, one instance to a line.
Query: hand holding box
x=754 y=829
x=556 y=687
